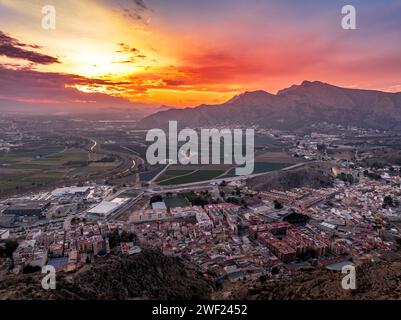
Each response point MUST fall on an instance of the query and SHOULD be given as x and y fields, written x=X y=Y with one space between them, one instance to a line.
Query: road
x=159 y=174
x=136 y=155
x=218 y=180
x=131 y=168
x=94 y=144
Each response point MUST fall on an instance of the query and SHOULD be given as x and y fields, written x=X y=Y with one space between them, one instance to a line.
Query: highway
x=159 y=174
x=136 y=155
x=94 y=144
x=218 y=180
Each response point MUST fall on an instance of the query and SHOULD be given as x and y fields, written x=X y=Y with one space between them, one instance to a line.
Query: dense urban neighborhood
x=333 y=203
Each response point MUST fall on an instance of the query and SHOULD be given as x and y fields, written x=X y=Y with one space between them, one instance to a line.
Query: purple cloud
x=24 y=87
x=12 y=48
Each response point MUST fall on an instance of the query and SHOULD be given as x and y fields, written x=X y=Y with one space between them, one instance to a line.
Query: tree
x=346 y=177
x=378 y=165
x=115 y=238
x=388 y=202
x=9 y=247
x=156 y=198
x=274 y=270
x=277 y=205
x=372 y=175
x=198 y=200
x=237 y=191
x=296 y=218
x=30 y=269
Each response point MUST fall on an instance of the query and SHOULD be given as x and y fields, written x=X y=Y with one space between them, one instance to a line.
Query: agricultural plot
x=21 y=170
x=31 y=153
x=171 y=178
x=275 y=157
x=22 y=181
x=269 y=144
x=260 y=167
x=176 y=201
x=149 y=175
x=172 y=174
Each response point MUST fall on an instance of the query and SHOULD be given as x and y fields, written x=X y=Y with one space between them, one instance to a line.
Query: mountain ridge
x=293 y=107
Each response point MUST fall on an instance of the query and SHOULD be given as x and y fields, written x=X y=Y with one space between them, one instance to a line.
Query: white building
x=203 y=219
x=70 y=191
x=106 y=208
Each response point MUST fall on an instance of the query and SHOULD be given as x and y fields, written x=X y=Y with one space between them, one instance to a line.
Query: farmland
x=174 y=177
x=24 y=170
x=260 y=167
x=265 y=161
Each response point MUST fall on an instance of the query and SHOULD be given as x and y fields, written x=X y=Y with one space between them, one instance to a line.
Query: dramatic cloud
x=126 y=48
x=136 y=11
x=12 y=48
x=140 y=4
x=198 y=52
x=134 y=54
x=54 y=89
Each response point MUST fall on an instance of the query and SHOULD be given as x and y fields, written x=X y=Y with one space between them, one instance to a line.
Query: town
x=316 y=199
x=228 y=228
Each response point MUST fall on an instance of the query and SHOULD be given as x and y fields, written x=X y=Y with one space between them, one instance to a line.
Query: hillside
x=380 y=281
x=292 y=108
x=151 y=275
x=147 y=275
x=313 y=175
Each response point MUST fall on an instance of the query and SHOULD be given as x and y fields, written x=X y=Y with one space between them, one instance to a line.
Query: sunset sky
x=187 y=52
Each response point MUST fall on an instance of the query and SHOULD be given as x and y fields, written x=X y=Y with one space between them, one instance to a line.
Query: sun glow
x=97 y=65
x=89 y=88
x=144 y=51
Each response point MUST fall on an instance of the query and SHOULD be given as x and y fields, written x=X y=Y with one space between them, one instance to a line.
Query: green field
x=174 y=177
x=176 y=201
x=22 y=170
x=149 y=175
x=18 y=181
x=261 y=167
x=21 y=160
x=170 y=174
x=31 y=153
x=63 y=158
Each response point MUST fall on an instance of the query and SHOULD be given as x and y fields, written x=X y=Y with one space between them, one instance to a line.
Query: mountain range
x=292 y=108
